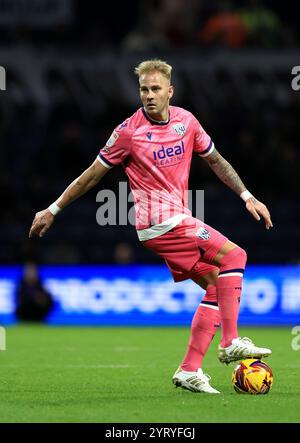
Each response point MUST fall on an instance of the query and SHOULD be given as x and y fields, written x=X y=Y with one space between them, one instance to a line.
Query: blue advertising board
x=137 y=295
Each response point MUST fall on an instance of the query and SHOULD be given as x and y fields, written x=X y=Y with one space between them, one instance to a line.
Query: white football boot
x=240 y=349
x=193 y=381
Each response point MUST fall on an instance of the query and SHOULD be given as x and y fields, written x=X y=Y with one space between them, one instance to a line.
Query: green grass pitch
x=123 y=375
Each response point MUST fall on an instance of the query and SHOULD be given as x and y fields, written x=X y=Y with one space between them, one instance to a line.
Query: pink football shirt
x=157 y=157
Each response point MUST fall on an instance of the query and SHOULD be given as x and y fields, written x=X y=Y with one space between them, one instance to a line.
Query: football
x=252 y=376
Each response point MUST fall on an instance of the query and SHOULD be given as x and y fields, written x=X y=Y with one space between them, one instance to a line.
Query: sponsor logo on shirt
x=167 y=156
x=123 y=125
x=180 y=129
x=149 y=135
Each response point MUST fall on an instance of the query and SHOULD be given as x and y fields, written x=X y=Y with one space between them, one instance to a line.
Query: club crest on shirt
x=203 y=233
x=180 y=129
x=111 y=141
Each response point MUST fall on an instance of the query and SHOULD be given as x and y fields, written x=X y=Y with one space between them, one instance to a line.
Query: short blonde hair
x=154 y=65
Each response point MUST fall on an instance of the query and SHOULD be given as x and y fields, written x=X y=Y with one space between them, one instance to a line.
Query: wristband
x=246 y=195
x=54 y=209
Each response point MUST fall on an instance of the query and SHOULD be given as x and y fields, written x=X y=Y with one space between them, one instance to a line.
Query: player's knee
x=236 y=258
x=243 y=256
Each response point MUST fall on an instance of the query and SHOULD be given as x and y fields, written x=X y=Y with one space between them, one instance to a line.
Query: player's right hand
x=257 y=209
x=41 y=223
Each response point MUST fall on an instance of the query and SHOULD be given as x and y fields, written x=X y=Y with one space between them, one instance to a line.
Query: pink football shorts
x=188 y=248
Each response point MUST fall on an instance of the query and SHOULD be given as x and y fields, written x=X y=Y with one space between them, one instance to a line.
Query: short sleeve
x=203 y=144
x=117 y=147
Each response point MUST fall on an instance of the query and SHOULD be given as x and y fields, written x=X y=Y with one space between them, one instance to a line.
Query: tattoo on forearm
x=225 y=172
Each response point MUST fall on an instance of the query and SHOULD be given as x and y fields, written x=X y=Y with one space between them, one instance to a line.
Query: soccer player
x=155 y=147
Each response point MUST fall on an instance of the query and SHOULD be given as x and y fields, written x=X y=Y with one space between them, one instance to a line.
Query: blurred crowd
x=141 y=25
x=42 y=153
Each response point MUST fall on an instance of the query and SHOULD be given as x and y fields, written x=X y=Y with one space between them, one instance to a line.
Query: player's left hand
x=257 y=209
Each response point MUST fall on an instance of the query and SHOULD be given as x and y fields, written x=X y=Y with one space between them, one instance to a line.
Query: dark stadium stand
x=66 y=90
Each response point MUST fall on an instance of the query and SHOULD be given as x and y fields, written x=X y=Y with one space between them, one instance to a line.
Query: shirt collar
x=155 y=122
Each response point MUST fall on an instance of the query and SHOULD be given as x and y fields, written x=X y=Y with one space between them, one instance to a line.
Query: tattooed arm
x=225 y=172
x=229 y=176
x=87 y=180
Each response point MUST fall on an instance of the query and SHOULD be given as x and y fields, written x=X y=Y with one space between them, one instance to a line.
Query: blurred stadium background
x=69 y=82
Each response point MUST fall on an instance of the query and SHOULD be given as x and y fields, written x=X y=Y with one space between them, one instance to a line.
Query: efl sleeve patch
x=112 y=139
